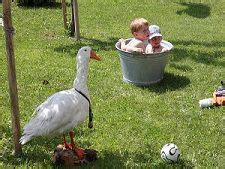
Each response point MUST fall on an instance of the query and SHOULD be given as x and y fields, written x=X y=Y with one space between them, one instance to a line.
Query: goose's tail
x=25 y=138
x=30 y=130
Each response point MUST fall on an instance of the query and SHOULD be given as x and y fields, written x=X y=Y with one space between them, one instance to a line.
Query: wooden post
x=76 y=19
x=64 y=14
x=12 y=75
x=72 y=24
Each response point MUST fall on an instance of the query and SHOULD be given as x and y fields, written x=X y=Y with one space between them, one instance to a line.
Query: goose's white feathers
x=63 y=110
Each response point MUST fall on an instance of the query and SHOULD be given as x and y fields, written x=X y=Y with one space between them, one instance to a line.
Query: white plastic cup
x=206 y=102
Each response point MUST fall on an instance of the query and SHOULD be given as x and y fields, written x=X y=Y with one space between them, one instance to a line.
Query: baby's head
x=155 y=36
x=139 y=28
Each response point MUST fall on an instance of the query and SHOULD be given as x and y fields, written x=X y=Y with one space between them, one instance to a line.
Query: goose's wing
x=59 y=113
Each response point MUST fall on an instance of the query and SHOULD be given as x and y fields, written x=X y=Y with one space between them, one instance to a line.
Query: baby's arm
x=132 y=46
x=123 y=45
x=148 y=49
x=134 y=49
x=164 y=49
x=137 y=47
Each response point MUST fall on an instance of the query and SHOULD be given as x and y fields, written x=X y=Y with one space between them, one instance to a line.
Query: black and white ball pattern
x=170 y=153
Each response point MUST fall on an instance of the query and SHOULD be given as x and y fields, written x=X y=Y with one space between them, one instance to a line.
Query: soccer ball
x=170 y=153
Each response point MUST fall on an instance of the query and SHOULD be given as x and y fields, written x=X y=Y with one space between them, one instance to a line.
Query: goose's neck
x=80 y=82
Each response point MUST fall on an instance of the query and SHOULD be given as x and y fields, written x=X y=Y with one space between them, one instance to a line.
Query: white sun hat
x=154 y=31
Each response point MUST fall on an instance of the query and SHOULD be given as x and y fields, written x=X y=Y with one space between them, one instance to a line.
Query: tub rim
x=163 y=43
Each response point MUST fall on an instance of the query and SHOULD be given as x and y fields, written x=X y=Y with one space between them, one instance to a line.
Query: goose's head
x=85 y=53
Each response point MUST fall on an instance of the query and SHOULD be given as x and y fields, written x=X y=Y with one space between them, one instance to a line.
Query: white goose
x=64 y=110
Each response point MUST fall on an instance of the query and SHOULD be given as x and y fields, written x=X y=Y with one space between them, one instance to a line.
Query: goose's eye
x=85 y=50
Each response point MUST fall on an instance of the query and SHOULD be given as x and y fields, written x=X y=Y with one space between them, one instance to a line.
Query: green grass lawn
x=131 y=124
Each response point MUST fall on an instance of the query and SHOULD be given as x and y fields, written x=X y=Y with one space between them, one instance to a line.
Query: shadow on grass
x=184 y=68
x=49 y=5
x=170 y=82
x=211 y=57
x=210 y=44
x=180 y=164
x=197 y=10
x=33 y=152
x=38 y=150
x=41 y=155
x=94 y=43
x=145 y=158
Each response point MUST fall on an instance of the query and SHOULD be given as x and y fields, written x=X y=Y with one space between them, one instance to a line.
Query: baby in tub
x=155 y=39
x=140 y=31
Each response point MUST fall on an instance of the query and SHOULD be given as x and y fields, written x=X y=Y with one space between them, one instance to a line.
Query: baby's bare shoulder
x=136 y=43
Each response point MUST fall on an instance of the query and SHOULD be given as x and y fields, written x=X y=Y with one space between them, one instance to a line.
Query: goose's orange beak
x=94 y=56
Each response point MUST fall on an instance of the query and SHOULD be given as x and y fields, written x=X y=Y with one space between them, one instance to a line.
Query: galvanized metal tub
x=143 y=69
